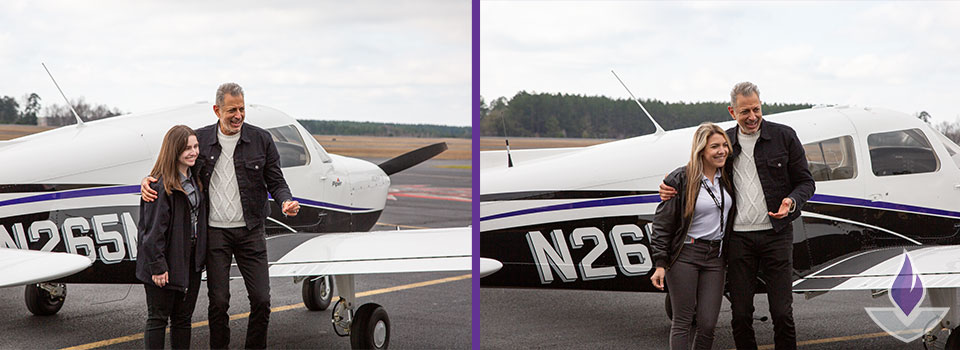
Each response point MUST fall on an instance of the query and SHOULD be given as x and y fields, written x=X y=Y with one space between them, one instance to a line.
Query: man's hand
x=667 y=192
x=147 y=193
x=291 y=208
x=657 y=278
x=161 y=280
x=784 y=209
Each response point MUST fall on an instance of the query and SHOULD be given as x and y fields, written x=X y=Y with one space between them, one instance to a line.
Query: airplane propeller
x=409 y=159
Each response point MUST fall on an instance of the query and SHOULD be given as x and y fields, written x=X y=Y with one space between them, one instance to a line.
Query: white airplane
x=580 y=218
x=69 y=205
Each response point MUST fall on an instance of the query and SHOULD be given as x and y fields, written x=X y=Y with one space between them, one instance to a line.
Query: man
x=771 y=180
x=238 y=164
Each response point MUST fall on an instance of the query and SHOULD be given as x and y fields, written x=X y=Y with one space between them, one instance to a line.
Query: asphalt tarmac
x=557 y=319
x=430 y=315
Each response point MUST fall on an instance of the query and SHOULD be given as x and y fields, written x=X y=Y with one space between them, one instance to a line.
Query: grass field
x=351 y=146
x=497 y=143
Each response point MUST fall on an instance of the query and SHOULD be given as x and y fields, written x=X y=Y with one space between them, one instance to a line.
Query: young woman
x=688 y=235
x=172 y=241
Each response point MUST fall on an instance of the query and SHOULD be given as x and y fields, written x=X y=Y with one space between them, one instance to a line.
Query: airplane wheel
x=667 y=307
x=317 y=293
x=370 y=328
x=40 y=302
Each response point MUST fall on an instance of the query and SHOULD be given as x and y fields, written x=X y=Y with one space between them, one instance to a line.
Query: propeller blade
x=409 y=159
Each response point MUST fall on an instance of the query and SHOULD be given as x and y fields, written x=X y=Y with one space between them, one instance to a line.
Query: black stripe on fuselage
x=538 y=195
x=28 y=188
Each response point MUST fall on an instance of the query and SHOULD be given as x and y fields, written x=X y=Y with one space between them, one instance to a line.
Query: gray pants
x=695 y=284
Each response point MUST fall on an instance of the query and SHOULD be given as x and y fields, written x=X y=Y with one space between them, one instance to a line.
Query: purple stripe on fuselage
x=91 y=192
x=134 y=189
x=823 y=198
x=653 y=198
x=328 y=205
x=820 y=198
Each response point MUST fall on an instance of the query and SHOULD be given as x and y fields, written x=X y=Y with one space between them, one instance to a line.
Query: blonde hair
x=695 y=166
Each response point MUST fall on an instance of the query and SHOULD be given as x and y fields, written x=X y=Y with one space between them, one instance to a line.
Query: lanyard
x=719 y=203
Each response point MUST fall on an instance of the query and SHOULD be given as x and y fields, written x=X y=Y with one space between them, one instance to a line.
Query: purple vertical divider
x=475 y=157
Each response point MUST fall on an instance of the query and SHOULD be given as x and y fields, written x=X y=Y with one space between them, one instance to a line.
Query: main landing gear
x=368 y=327
x=44 y=299
x=317 y=292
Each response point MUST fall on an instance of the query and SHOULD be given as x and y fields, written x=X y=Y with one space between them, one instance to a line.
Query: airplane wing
x=446 y=249
x=938 y=267
x=21 y=267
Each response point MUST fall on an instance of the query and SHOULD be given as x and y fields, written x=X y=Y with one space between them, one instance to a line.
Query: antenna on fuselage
x=507 y=140
x=79 y=121
x=660 y=130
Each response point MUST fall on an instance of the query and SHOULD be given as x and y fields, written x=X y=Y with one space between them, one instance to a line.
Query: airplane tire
x=370 y=328
x=317 y=293
x=953 y=341
x=39 y=301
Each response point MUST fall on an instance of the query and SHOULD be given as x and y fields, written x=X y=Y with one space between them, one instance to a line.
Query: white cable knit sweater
x=225 y=208
x=751 y=206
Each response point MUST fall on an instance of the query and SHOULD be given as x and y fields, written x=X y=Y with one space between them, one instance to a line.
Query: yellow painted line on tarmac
x=838 y=339
x=401 y=226
x=138 y=336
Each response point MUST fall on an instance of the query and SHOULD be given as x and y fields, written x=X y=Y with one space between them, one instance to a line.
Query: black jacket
x=257 y=164
x=669 y=225
x=782 y=167
x=163 y=241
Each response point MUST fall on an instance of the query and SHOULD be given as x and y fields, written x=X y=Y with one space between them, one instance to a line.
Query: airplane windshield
x=901 y=152
x=293 y=151
x=952 y=149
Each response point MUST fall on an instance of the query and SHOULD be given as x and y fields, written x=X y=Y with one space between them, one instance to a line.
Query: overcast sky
x=899 y=55
x=388 y=61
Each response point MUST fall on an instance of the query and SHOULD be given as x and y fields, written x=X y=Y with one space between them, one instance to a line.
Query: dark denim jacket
x=782 y=167
x=257 y=164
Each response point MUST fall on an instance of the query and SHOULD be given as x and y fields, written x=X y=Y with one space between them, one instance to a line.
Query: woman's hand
x=161 y=280
x=657 y=277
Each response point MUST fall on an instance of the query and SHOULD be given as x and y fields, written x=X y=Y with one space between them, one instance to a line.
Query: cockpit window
x=901 y=152
x=832 y=159
x=293 y=151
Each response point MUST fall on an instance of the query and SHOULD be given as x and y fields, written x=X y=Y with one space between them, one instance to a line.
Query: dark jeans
x=695 y=283
x=769 y=255
x=249 y=247
x=163 y=304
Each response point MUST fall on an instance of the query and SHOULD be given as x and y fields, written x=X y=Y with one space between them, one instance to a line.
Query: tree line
x=577 y=116
x=566 y=115
x=27 y=111
x=342 y=127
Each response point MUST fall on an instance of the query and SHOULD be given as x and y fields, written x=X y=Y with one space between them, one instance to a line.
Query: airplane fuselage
x=76 y=189
x=580 y=218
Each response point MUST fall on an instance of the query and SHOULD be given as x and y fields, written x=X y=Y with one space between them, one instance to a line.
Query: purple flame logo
x=905 y=293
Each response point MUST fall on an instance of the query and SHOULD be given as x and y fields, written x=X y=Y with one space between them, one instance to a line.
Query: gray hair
x=233 y=89
x=743 y=89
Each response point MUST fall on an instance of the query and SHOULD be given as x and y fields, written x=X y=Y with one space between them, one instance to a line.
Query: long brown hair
x=174 y=143
x=695 y=166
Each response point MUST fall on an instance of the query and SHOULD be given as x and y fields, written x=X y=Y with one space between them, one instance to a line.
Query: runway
x=557 y=319
x=426 y=310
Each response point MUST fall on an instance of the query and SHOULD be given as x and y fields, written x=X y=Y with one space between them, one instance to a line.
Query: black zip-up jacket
x=670 y=227
x=163 y=241
x=257 y=164
x=781 y=166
